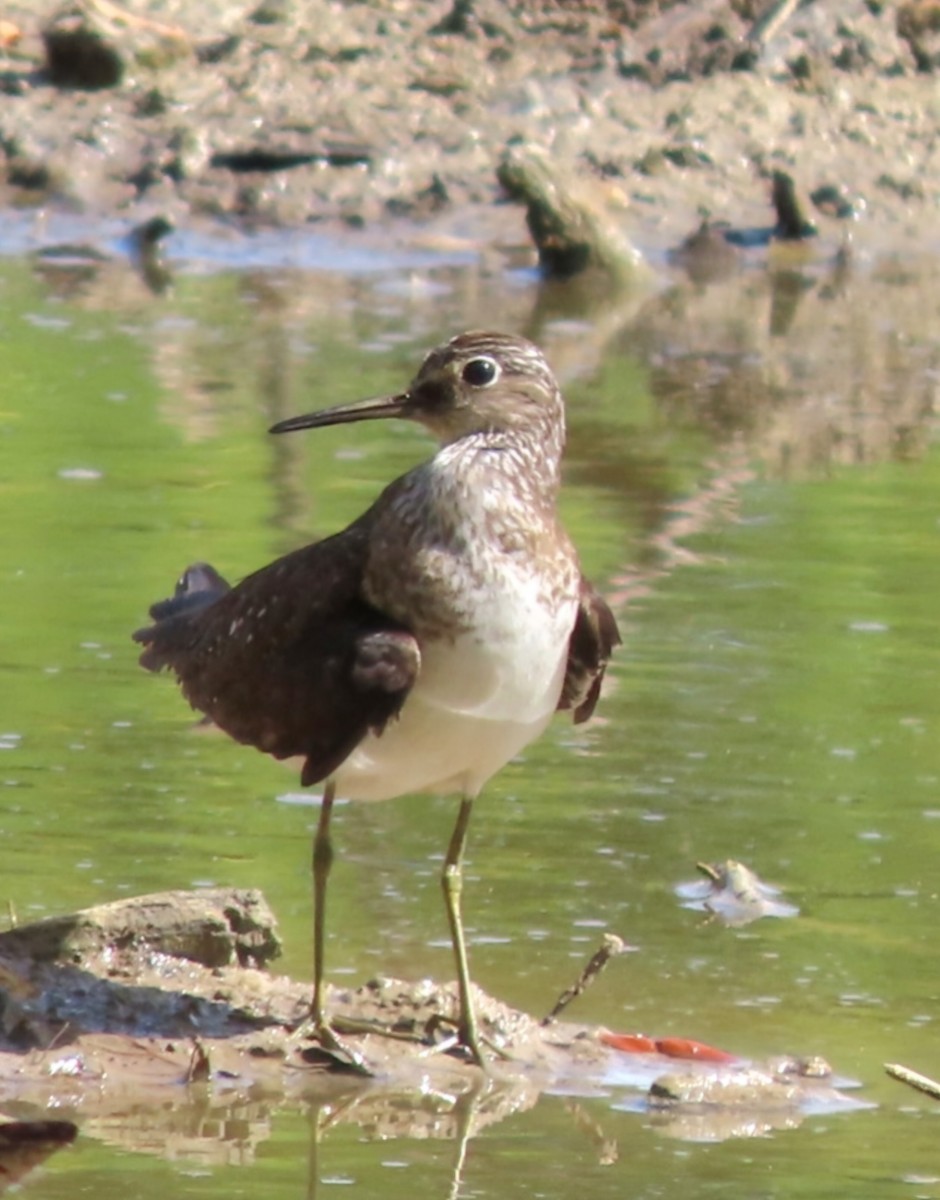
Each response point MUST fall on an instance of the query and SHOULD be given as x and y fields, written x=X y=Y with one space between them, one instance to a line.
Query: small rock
x=270 y=12
x=574 y=221
x=78 y=55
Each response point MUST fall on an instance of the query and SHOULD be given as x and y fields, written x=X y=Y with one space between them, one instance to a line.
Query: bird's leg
x=322 y=862
x=452 y=883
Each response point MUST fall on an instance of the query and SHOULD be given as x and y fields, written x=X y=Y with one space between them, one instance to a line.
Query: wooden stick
x=771 y=21
x=914 y=1079
x=610 y=946
x=111 y=12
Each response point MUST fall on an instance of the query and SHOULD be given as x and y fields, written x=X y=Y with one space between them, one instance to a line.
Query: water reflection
x=751 y=469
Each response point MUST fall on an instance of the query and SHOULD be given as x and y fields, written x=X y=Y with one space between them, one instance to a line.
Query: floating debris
x=733 y=893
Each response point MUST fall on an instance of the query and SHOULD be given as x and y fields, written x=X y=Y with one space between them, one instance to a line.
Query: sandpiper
x=424 y=646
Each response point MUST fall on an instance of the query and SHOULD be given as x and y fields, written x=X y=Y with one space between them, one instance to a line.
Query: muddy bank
x=163 y=1003
x=288 y=114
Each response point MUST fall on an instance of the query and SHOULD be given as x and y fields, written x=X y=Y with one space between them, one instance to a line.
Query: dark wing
x=292 y=660
x=592 y=640
x=198 y=586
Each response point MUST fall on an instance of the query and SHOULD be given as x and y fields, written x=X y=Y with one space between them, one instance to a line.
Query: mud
x=366 y=116
x=146 y=1005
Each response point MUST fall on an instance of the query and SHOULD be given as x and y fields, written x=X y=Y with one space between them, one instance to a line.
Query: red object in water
x=672 y=1047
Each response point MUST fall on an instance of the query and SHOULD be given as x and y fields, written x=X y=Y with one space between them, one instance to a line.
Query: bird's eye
x=480 y=372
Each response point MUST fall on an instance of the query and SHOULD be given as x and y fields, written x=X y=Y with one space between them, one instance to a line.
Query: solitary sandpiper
x=424 y=646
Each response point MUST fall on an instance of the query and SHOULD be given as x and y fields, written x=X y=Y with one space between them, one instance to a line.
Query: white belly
x=477 y=702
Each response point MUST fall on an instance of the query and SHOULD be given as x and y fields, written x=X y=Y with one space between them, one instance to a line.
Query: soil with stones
x=297 y=114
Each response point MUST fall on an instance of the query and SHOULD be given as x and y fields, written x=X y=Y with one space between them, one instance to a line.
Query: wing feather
x=593 y=639
x=292 y=660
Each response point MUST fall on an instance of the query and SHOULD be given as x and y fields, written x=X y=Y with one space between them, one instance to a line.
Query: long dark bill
x=343 y=414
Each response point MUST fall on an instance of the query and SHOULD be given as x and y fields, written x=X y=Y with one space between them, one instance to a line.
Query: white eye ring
x=481 y=372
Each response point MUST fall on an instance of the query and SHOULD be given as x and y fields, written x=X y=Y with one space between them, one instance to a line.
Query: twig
x=200 y=1068
x=610 y=947
x=770 y=21
x=109 y=11
x=913 y=1079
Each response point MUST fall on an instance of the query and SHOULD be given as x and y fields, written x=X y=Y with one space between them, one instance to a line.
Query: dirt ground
x=297 y=113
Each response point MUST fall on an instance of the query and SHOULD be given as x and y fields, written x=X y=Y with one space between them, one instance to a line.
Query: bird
x=425 y=645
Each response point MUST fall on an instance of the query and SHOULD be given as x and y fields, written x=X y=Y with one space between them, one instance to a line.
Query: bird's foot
x=465 y=1042
x=337 y=1054
x=467 y=1051
x=440 y=1035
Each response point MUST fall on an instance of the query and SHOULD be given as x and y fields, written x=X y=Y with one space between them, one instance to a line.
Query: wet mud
x=149 y=1003
x=385 y=116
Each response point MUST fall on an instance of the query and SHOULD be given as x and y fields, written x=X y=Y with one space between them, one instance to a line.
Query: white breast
x=456 y=557
x=478 y=701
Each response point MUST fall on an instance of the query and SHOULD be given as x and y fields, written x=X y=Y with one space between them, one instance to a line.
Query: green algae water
x=761 y=506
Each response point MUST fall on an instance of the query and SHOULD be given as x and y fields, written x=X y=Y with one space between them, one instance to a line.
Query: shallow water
x=752 y=479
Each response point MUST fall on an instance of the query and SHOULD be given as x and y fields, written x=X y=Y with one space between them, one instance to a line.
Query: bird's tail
x=199 y=586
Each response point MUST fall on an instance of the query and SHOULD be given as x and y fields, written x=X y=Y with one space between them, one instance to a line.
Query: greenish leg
x=452 y=883
x=322 y=862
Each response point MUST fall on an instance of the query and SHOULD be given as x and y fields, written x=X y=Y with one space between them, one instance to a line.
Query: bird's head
x=475 y=383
